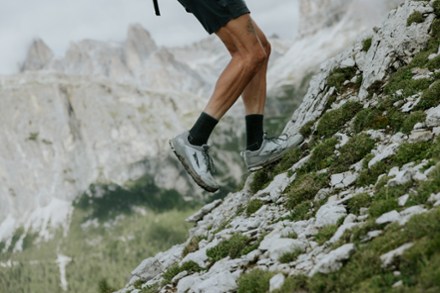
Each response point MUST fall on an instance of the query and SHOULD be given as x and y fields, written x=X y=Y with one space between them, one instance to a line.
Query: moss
x=323 y=155
x=353 y=151
x=253 y=206
x=290 y=256
x=357 y=202
x=255 y=281
x=333 y=120
x=426 y=188
x=306 y=129
x=296 y=283
x=171 y=272
x=193 y=245
x=412 y=152
x=436 y=6
x=369 y=175
x=302 y=211
x=430 y=97
x=261 y=179
x=33 y=136
x=338 y=76
x=325 y=233
x=411 y=120
x=369 y=119
x=415 y=17
x=289 y=159
x=305 y=188
x=366 y=44
x=232 y=247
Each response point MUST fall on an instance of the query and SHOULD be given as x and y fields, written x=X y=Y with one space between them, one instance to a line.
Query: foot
x=196 y=161
x=271 y=150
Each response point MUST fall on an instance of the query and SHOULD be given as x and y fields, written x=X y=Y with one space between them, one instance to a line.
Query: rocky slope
x=325 y=29
x=355 y=208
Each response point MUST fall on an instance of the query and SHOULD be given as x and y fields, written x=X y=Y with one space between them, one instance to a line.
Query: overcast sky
x=58 y=22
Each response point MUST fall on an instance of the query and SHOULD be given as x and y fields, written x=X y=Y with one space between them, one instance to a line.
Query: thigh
x=240 y=35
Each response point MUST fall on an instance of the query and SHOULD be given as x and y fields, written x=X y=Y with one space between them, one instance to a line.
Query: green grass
x=290 y=256
x=415 y=17
x=366 y=44
x=254 y=281
x=357 y=202
x=338 y=76
x=325 y=233
x=353 y=151
x=323 y=156
x=171 y=272
x=232 y=247
x=253 y=206
x=363 y=272
x=333 y=120
x=102 y=256
x=305 y=188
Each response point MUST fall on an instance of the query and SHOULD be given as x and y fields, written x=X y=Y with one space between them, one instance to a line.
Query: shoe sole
x=274 y=159
x=194 y=175
x=267 y=163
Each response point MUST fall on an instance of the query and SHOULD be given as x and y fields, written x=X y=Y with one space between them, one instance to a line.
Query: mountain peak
x=38 y=56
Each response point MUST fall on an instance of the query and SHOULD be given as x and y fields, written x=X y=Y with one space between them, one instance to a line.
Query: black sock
x=202 y=129
x=254 y=131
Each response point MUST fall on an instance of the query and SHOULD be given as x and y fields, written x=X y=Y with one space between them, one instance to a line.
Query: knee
x=254 y=59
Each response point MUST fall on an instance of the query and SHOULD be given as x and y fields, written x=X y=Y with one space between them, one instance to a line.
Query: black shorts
x=214 y=14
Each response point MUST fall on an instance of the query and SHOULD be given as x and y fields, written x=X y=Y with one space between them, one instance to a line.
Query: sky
x=60 y=22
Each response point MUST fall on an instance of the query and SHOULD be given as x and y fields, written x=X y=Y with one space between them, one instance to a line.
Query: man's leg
x=248 y=57
x=254 y=99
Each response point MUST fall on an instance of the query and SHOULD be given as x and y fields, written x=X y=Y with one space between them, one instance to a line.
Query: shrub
x=366 y=44
x=305 y=188
x=415 y=17
x=290 y=256
x=322 y=156
x=325 y=233
x=233 y=248
x=339 y=75
x=253 y=206
x=357 y=202
x=333 y=120
x=411 y=120
x=189 y=266
x=353 y=151
x=255 y=281
x=430 y=97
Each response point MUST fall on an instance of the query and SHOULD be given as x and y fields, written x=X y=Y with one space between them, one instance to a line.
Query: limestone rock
x=332 y=261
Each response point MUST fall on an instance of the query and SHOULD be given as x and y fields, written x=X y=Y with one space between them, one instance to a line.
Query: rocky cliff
x=355 y=208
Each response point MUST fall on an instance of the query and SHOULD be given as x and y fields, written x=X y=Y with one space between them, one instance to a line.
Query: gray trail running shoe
x=196 y=161
x=271 y=150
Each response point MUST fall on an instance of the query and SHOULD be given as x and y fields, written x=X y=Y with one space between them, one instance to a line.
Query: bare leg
x=248 y=59
x=254 y=95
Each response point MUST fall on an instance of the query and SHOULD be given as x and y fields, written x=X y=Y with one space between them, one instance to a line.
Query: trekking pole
x=156 y=7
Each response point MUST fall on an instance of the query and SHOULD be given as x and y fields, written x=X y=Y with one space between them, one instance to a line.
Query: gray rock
x=276 y=282
x=389 y=217
x=329 y=214
x=389 y=257
x=433 y=117
x=332 y=261
x=204 y=211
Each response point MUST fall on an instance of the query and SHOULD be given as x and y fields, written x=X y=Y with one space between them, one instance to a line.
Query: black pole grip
x=156 y=7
